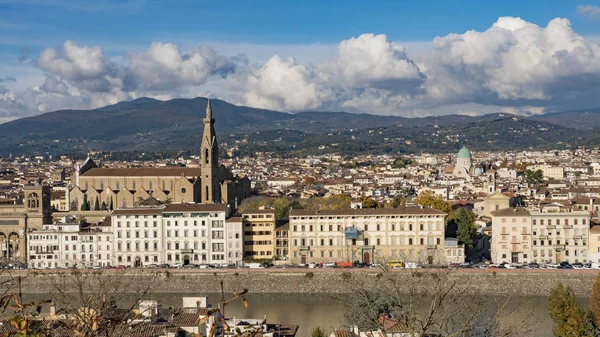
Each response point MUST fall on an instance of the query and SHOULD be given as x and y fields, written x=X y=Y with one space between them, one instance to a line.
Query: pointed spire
x=208 y=110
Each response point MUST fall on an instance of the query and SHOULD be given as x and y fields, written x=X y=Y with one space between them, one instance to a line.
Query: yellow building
x=495 y=202
x=594 y=245
x=259 y=234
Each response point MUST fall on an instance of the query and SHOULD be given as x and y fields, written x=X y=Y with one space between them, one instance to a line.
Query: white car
x=329 y=265
x=312 y=265
x=376 y=265
x=176 y=265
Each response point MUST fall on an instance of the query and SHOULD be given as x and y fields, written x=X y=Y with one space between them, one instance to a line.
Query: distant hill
x=579 y=119
x=149 y=125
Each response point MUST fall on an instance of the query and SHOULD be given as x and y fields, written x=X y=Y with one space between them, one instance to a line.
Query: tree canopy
x=428 y=198
x=569 y=317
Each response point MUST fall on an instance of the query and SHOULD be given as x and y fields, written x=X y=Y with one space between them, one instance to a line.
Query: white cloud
x=514 y=66
x=590 y=11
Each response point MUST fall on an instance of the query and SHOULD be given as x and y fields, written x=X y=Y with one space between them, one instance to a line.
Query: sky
x=406 y=58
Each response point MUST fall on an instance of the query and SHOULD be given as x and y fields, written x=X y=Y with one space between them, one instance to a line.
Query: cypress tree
x=97 y=205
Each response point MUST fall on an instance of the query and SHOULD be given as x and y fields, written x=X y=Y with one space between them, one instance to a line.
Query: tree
x=595 y=302
x=428 y=198
x=104 y=207
x=85 y=206
x=517 y=201
x=430 y=302
x=318 y=332
x=368 y=202
x=110 y=206
x=534 y=177
x=570 y=319
x=398 y=201
x=463 y=222
x=97 y=205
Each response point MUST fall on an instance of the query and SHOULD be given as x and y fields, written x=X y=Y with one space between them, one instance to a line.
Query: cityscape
x=445 y=183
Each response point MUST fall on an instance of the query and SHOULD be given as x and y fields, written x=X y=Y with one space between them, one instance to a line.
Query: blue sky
x=312 y=32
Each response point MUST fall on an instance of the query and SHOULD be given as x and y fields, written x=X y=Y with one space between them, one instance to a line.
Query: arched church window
x=133 y=185
x=206 y=156
x=150 y=185
x=118 y=185
x=163 y=184
x=102 y=185
x=86 y=185
x=207 y=192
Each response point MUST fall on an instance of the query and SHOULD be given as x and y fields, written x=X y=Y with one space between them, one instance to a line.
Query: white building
x=235 y=241
x=70 y=244
x=179 y=233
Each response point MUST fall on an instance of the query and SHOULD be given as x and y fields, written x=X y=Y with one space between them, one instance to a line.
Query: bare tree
x=427 y=302
x=100 y=303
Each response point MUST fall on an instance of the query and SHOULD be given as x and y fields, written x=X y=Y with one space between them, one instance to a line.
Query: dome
x=478 y=171
x=464 y=153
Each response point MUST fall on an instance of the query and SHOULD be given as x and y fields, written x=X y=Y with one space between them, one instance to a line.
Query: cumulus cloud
x=590 y=11
x=512 y=62
x=513 y=66
x=163 y=66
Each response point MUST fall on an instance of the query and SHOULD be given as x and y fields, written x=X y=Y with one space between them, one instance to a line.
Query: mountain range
x=150 y=125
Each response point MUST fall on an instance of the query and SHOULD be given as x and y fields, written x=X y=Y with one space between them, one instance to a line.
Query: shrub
x=309 y=275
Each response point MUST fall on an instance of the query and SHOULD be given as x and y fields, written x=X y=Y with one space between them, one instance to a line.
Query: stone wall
x=477 y=282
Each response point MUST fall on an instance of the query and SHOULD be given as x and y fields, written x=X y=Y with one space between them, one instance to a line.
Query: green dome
x=464 y=153
x=478 y=171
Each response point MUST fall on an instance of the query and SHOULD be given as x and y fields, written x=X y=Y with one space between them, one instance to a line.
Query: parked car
x=176 y=265
x=254 y=265
x=329 y=265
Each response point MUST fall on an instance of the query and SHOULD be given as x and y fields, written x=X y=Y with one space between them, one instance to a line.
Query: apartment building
x=511 y=235
x=235 y=241
x=551 y=234
x=259 y=234
x=69 y=244
x=594 y=245
x=282 y=239
x=137 y=236
x=560 y=233
x=175 y=234
x=411 y=234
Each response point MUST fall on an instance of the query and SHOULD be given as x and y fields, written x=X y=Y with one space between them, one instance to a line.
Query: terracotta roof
x=258 y=211
x=370 y=211
x=519 y=211
x=344 y=333
x=186 y=319
x=138 y=210
x=143 y=172
x=185 y=207
x=595 y=230
x=235 y=219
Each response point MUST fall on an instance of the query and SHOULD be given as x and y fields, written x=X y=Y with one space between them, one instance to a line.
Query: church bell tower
x=209 y=160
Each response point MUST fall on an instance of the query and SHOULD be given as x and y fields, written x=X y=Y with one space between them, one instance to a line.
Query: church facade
x=203 y=182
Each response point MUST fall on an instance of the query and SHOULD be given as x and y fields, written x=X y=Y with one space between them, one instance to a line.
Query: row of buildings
x=185 y=233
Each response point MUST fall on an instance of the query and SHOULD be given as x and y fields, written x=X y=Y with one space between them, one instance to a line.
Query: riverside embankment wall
x=307 y=281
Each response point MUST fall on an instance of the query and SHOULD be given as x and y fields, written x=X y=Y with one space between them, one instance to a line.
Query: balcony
x=367 y=247
x=577 y=237
x=304 y=248
x=431 y=247
x=551 y=226
x=543 y=237
x=568 y=226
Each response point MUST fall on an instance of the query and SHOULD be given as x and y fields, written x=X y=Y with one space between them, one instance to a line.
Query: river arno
x=326 y=311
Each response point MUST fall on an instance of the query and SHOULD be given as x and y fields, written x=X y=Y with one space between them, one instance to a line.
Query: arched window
x=150 y=185
x=207 y=196
x=118 y=185
x=133 y=185
x=102 y=185
x=86 y=185
x=206 y=156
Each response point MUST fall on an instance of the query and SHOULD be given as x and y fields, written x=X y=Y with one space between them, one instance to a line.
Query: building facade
x=551 y=234
x=206 y=182
x=412 y=234
x=259 y=234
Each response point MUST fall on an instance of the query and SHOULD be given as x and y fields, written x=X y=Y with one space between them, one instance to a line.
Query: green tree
x=85 y=206
x=595 y=302
x=569 y=317
x=110 y=206
x=97 y=205
x=398 y=201
x=368 y=202
x=463 y=222
x=318 y=332
x=428 y=198
x=104 y=207
x=534 y=177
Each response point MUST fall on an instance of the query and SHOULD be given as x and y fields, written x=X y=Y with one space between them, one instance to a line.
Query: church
x=200 y=182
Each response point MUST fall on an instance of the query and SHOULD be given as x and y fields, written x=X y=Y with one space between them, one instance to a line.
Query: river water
x=309 y=311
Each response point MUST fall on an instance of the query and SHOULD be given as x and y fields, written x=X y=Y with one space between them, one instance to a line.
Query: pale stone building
x=594 y=245
x=495 y=202
x=412 y=234
x=453 y=252
x=70 y=244
x=511 y=236
x=206 y=182
x=560 y=234
x=137 y=236
x=235 y=241
x=552 y=234
x=17 y=219
x=259 y=234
